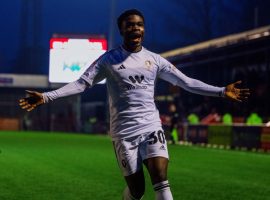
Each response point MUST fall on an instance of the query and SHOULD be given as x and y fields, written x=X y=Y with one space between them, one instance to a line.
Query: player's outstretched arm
x=236 y=94
x=32 y=100
x=35 y=98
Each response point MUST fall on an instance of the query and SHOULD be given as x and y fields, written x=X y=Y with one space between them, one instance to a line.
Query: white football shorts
x=131 y=152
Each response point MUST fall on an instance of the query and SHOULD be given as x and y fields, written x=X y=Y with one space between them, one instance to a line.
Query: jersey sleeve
x=95 y=72
x=67 y=90
x=168 y=72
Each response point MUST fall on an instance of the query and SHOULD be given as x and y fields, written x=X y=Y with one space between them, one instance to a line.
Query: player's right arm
x=91 y=76
x=34 y=98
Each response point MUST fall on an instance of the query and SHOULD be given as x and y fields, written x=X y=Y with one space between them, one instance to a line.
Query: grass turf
x=42 y=166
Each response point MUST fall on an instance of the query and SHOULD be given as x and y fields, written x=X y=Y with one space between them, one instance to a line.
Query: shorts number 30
x=157 y=136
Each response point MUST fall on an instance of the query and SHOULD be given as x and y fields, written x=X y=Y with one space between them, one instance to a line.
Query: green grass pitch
x=52 y=166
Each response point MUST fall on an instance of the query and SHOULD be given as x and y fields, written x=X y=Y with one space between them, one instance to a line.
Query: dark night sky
x=169 y=24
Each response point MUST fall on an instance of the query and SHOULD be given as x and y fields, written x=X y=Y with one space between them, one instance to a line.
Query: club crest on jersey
x=148 y=64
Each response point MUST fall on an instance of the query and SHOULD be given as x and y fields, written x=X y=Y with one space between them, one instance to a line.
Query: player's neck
x=132 y=48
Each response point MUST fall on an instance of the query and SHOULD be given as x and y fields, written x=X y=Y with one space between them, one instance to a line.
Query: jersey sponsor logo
x=121 y=67
x=135 y=79
x=133 y=87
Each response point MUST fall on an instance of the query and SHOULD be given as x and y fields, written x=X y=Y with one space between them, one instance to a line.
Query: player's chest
x=129 y=68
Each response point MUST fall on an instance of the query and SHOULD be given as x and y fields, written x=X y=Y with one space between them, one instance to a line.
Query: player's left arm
x=236 y=94
x=173 y=75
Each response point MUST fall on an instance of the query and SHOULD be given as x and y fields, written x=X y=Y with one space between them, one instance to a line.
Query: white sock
x=128 y=196
x=163 y=191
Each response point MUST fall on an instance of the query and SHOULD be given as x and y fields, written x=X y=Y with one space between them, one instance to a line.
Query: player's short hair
x=127 y=13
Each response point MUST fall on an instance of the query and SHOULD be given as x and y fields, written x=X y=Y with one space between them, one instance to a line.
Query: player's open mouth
x=135 y=36
x=138 y=39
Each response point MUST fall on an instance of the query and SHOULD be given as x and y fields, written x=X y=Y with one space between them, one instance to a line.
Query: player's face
x=132 y=30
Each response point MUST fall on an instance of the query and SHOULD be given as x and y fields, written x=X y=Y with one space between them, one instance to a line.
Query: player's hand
x=31 y=101
x=236 y=94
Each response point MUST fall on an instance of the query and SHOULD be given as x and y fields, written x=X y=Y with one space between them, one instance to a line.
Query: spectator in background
x=26 y=122
x=227 y=119
x=174 y=123
x=254 y=119
x=193 y=119
x=212 y=117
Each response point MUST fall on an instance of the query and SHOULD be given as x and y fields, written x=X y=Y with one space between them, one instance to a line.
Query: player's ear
x=121 y=30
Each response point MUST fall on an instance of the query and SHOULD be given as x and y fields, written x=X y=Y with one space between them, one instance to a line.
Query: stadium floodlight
x=70 y=56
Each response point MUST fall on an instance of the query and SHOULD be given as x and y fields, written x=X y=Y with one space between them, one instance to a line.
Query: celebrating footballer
x=131 y=72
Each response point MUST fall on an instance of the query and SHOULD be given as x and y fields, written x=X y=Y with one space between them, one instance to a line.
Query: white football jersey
x=131 y=79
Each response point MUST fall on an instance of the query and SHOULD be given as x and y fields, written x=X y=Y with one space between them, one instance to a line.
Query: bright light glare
x=69 y=58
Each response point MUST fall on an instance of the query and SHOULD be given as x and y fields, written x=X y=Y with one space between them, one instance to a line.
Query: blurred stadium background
x=218 y=42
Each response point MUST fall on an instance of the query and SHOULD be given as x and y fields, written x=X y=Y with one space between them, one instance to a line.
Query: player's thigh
x=128 y=157
x=157 y=168
x=154 y=152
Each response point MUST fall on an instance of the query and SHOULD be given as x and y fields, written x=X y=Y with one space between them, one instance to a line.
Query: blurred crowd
x=196 y=109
